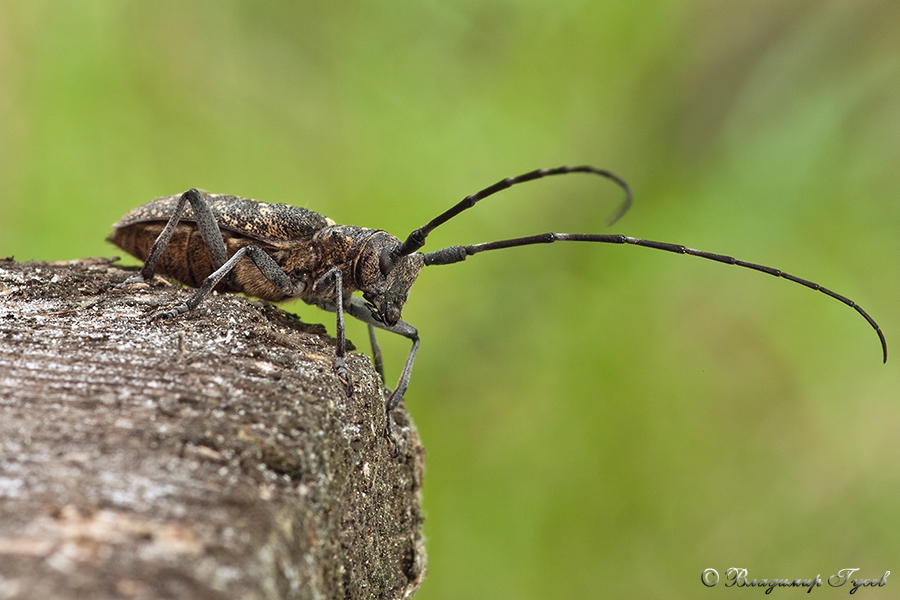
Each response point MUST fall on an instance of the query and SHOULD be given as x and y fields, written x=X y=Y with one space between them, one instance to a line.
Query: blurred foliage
x=601 y=421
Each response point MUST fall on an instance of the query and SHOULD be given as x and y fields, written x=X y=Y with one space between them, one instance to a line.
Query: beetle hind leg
x=266 y=265
x=206 y=224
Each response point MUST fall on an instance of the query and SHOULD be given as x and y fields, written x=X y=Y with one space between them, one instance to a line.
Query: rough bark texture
x=213 y=456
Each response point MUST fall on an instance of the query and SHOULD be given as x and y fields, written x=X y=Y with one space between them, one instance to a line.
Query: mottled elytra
x=277 y=251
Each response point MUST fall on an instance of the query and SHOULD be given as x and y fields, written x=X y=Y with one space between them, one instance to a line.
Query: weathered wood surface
x=214 y=456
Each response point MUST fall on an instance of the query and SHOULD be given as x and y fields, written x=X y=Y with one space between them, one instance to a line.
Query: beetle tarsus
x=169 y=314
x=389 y=435
x=340 y=368
x=133 y=279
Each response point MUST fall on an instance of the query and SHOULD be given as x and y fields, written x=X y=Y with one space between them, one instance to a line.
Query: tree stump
x=213 y=456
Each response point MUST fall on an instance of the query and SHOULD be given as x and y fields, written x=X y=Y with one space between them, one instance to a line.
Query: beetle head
x=386 y=289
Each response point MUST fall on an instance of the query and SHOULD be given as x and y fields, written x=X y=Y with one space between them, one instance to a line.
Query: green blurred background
x=601 y=421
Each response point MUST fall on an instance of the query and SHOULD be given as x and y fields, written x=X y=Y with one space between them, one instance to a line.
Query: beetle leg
x=358 y=309
x=206 y=224
x=376 y=353
x=266 y=265
x=340 y=364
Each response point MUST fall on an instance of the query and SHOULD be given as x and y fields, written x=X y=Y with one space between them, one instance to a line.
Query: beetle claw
x=169 y=314
x=133 y=279
x=340 y=368
x=389 y=435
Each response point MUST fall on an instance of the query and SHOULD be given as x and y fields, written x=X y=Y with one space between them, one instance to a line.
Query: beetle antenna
x=454 y=254
x=416 y=239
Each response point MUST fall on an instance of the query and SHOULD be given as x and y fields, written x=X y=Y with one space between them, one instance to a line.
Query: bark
x=213 y=456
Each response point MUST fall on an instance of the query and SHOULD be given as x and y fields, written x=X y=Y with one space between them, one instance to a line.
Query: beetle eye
x=386 y=262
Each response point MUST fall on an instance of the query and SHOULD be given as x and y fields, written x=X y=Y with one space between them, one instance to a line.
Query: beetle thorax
x=356 y=251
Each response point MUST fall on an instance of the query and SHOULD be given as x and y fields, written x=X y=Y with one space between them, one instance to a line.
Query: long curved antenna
x=454 y=254
x=416 y=239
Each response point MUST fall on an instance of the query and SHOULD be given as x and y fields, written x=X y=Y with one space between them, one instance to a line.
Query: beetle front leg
x=360 y=310
x=377 y=360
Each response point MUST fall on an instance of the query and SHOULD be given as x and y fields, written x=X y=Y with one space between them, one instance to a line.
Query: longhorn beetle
x=202 y=240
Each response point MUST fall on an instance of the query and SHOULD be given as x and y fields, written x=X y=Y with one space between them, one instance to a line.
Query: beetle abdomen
x=185 y=258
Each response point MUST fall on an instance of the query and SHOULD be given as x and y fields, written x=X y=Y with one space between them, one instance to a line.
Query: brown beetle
x=202 y=240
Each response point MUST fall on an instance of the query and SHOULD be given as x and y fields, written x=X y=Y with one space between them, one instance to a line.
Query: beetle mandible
x=202 y=240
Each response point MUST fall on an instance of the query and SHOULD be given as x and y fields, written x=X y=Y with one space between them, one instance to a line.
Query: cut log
x=213 y=456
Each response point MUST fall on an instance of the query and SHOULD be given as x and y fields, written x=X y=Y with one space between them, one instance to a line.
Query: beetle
x=277 y=251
